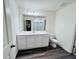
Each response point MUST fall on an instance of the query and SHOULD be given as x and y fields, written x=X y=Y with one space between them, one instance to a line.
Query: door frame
x=7 y=48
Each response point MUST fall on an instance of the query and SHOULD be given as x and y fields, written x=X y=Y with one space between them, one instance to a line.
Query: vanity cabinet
x=32 y=41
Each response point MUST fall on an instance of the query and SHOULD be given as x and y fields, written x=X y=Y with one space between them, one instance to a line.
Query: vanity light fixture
x=33 y=13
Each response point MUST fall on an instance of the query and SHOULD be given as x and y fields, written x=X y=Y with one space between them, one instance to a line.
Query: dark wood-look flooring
x=45 y=53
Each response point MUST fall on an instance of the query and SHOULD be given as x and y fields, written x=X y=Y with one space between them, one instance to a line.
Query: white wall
x=50 y=18
x=65 y=26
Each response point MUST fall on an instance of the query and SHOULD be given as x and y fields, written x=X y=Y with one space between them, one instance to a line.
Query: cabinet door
x=30 y=41
x=38 y=41
x=21 y=40
x=45 y=40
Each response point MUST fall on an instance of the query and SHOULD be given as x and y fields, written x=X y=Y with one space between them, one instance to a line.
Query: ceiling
x=48 y=5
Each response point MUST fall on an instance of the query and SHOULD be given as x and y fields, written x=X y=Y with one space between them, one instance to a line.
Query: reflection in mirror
x=34 y=23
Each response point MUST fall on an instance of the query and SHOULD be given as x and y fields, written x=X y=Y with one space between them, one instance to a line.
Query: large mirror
x=34 y=23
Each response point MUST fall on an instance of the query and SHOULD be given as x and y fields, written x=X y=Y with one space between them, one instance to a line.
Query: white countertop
x=32 y=32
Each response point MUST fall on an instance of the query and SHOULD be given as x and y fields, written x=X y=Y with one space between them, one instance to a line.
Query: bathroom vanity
x=32 y=39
